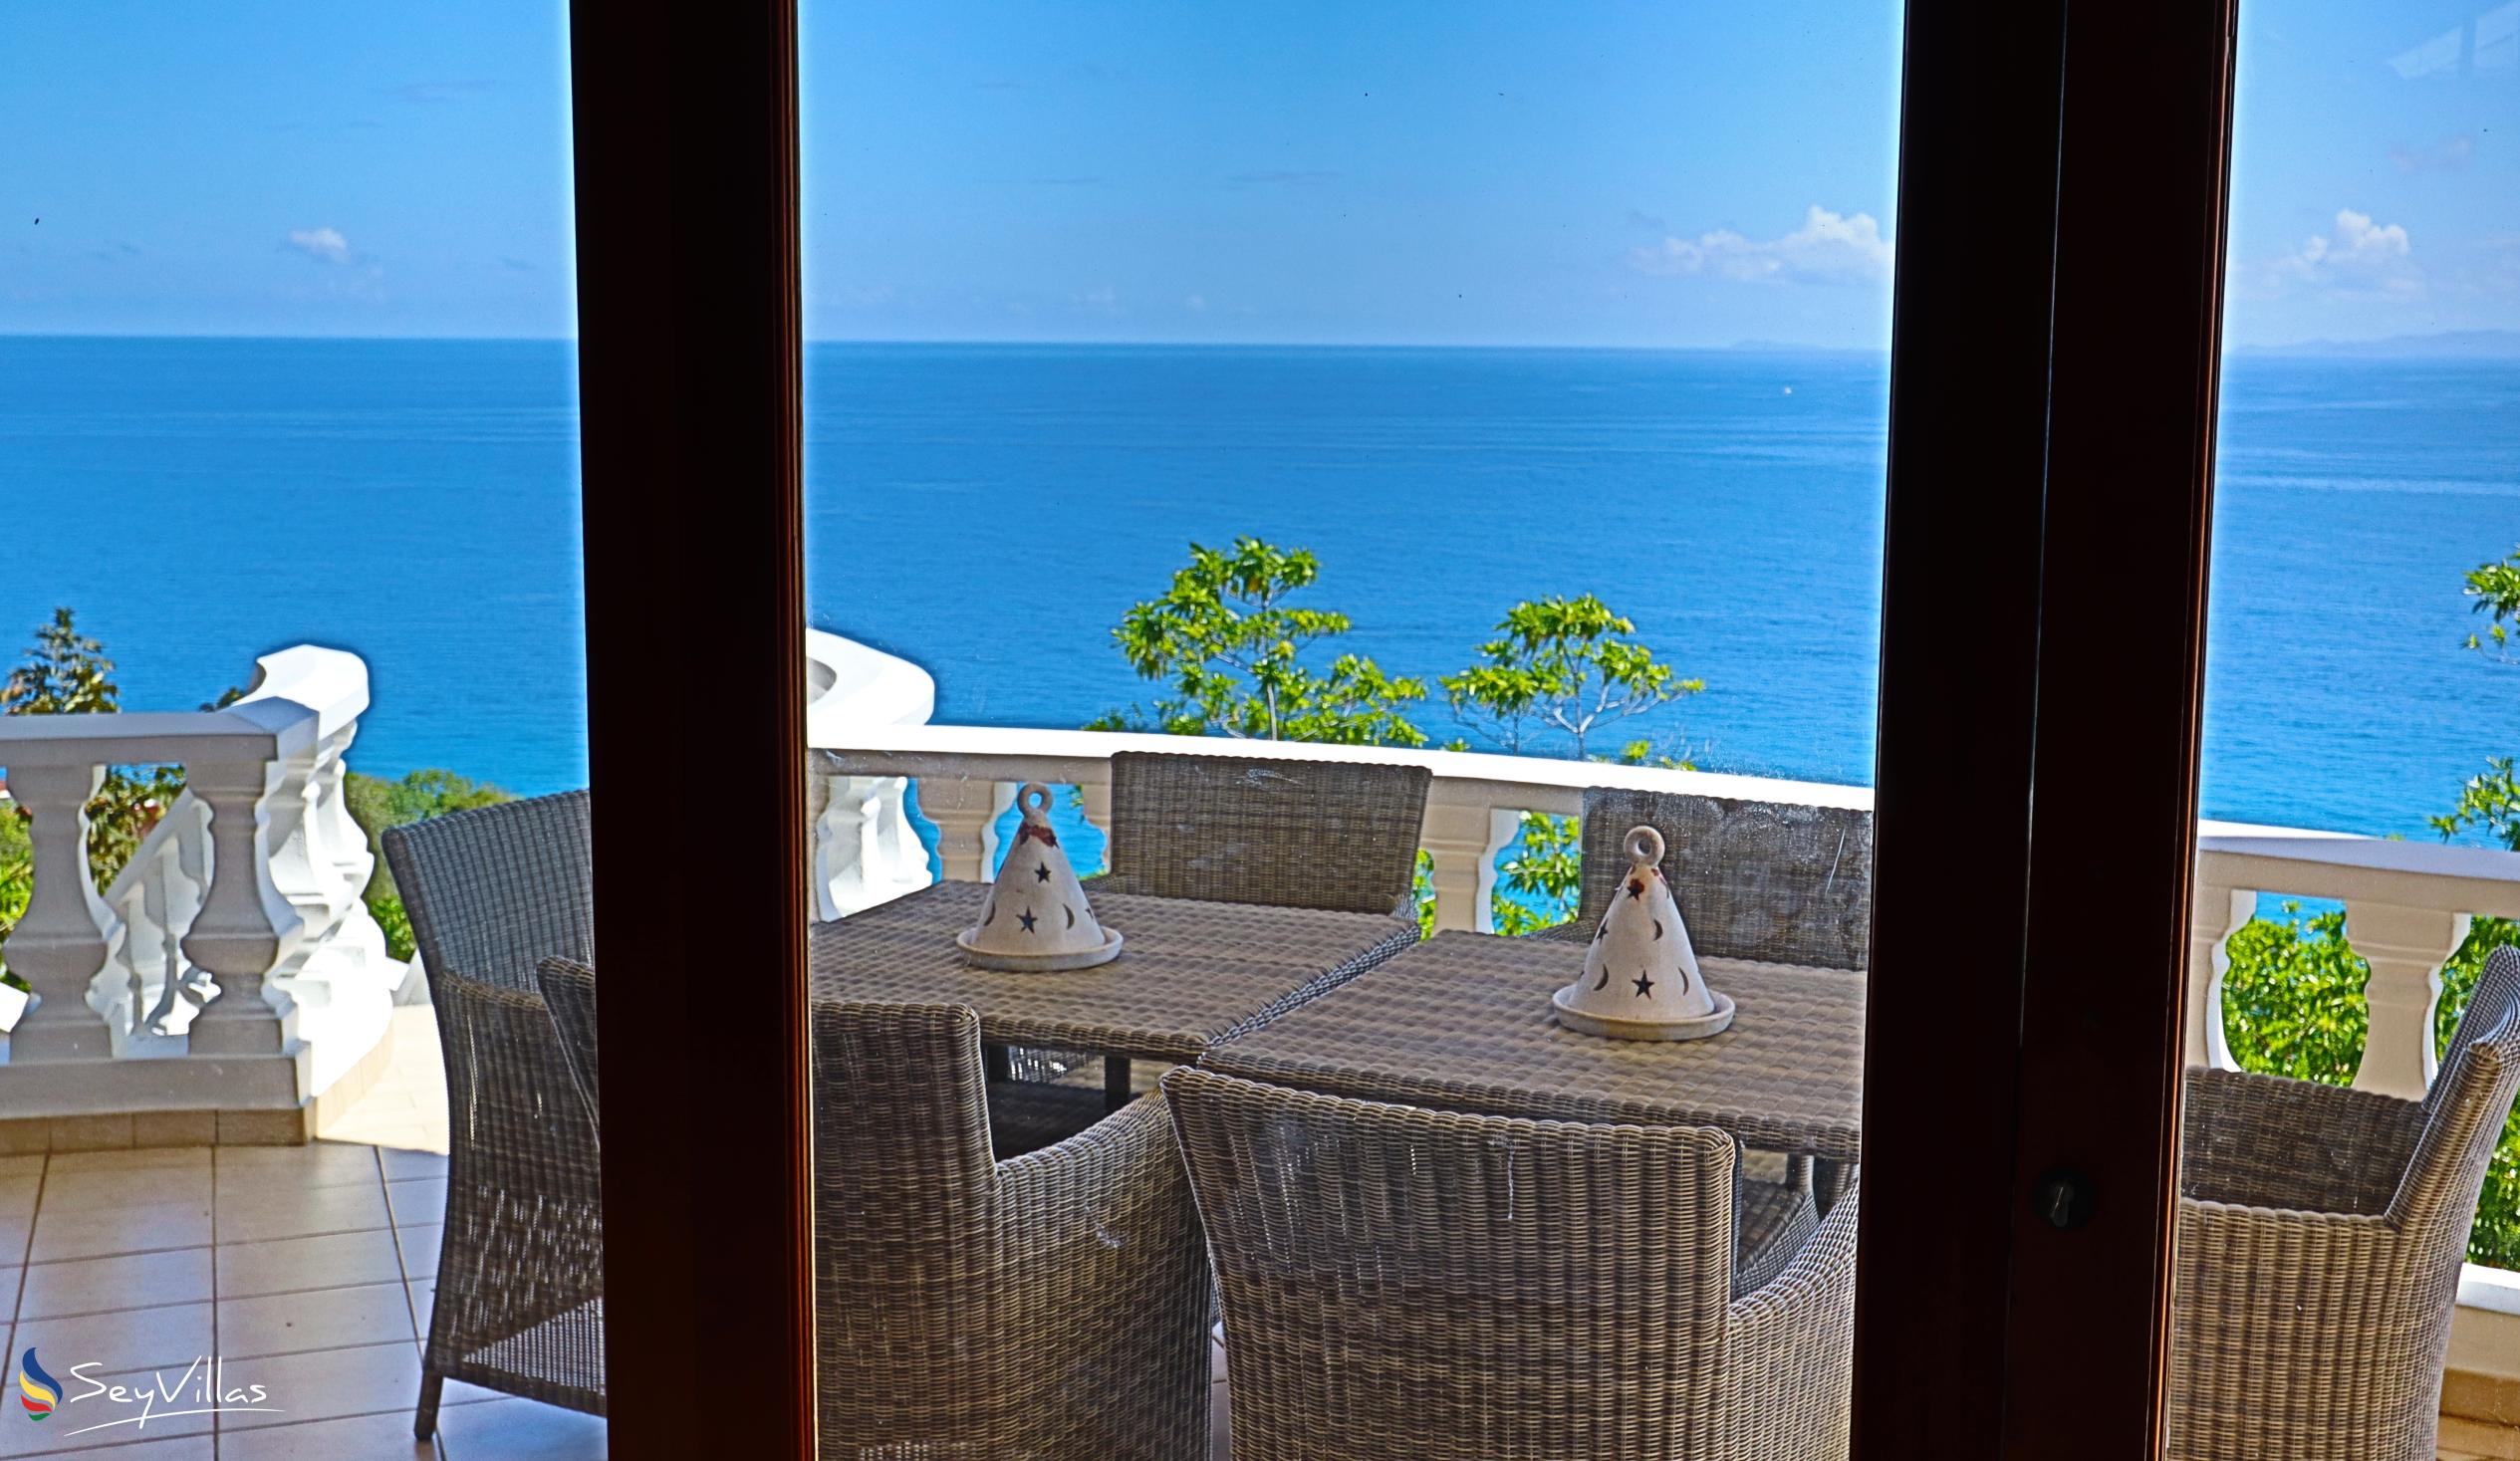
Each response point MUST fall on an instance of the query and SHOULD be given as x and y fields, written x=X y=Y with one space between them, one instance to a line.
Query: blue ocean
x=989 y=511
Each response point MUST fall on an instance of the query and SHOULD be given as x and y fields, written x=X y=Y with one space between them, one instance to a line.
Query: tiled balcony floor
x=309 y=1270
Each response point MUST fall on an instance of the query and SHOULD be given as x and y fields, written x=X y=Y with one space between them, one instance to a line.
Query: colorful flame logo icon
x=39 y=1390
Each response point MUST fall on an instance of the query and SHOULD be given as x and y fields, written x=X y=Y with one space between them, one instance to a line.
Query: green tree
x=2292 y=998
x=1232 y=651
x=2495 y=589
x=1540 y=884
x=65 y=672
x=1566 y=667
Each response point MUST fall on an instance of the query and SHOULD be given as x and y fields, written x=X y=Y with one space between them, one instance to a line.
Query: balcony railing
x=232 y=967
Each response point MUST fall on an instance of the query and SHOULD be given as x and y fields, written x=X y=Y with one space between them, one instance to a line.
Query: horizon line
x=1741 y=346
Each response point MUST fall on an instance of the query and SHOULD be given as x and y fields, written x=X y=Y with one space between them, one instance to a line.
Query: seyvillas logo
x=39 y=1391
x=199 y=1388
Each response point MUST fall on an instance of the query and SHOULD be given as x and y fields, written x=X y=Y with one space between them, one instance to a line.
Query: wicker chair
x=569 y=993
x=1331 y=835
x=1050 y=1306
x=1782 y=883
x=1407 y=1285
x=520 y=1270
x=1335 y=834
x=2318 y=1239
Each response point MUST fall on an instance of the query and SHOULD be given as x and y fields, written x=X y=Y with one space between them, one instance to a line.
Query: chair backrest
x=905 y=1209
x=2466 y=1111
x=1401 y=1282
x=1330 y=835
x=2497 y=989
x=569 y=993
x=495 y=891
x=1782 y=881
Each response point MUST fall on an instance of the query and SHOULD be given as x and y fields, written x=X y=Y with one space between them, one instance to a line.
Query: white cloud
x=1103 y=299
x=1196 y=304
x=326 y=244
x=1830 y=248
x=2358 y=256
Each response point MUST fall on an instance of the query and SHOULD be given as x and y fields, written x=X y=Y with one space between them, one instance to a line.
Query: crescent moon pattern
x=1072 y=916
x=1657 y=931
x=1604 y=982
x=988 y=914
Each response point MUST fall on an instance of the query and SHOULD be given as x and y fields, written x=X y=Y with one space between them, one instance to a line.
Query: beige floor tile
x=97 y=1231
x=134 y=1281
x=22 y=1164
x=299 y=1212
x=401 y=1164
x=521 y=1430
x=141 y=1187
x=30 y=1440
x=320 y=1319
x=418 y=1202
x=17 y=1194
x=325 y=1261
x=121 y=1339
x=13 y=1238
x=316 y=1165
x=328 y=1383
x=421 y=1246
x=136 y=1159
x=423 y=1298
x=385 y=1438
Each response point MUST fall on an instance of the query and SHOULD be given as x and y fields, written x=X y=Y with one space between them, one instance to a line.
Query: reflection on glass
x=2359 y=888
x=290 y=477
x=1362 y=466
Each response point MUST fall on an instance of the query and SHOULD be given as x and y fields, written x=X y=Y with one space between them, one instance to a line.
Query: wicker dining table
x=1189 y=972
x=1462 y=1022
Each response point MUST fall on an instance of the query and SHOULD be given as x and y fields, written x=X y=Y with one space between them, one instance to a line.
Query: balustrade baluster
x=966 y=811
x=245 y=927
x=2214 y=912
x=2405 y=948
x=59 y=944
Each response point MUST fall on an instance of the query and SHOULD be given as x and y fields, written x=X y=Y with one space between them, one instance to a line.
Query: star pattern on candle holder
x=1025 y=918
x=1644 y=986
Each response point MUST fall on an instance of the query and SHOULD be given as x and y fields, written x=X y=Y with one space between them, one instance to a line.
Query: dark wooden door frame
x=2062 y=190
x=689 y=391
x=2041 y=631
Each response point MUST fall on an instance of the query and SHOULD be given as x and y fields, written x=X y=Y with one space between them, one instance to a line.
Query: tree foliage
x=2495 y=588
x=1565 y=667
x=1234 y=651
x=2292 y=998
x=1540 y=880
x=65 y=672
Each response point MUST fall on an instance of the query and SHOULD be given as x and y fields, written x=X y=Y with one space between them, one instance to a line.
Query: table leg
x=995 y=1064
x=1115 y=1092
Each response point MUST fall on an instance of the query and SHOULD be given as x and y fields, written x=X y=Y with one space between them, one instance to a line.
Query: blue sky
x=1680 y=173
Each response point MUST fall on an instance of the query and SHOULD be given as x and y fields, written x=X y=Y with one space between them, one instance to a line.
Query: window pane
x=2356 y=868
x=1467 y=433
x=288 y=396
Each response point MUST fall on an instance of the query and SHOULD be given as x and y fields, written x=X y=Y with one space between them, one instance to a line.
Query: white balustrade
x=232 y=964
x=864 y=847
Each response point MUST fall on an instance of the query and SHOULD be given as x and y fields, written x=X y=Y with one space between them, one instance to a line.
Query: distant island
x=2453 y=344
